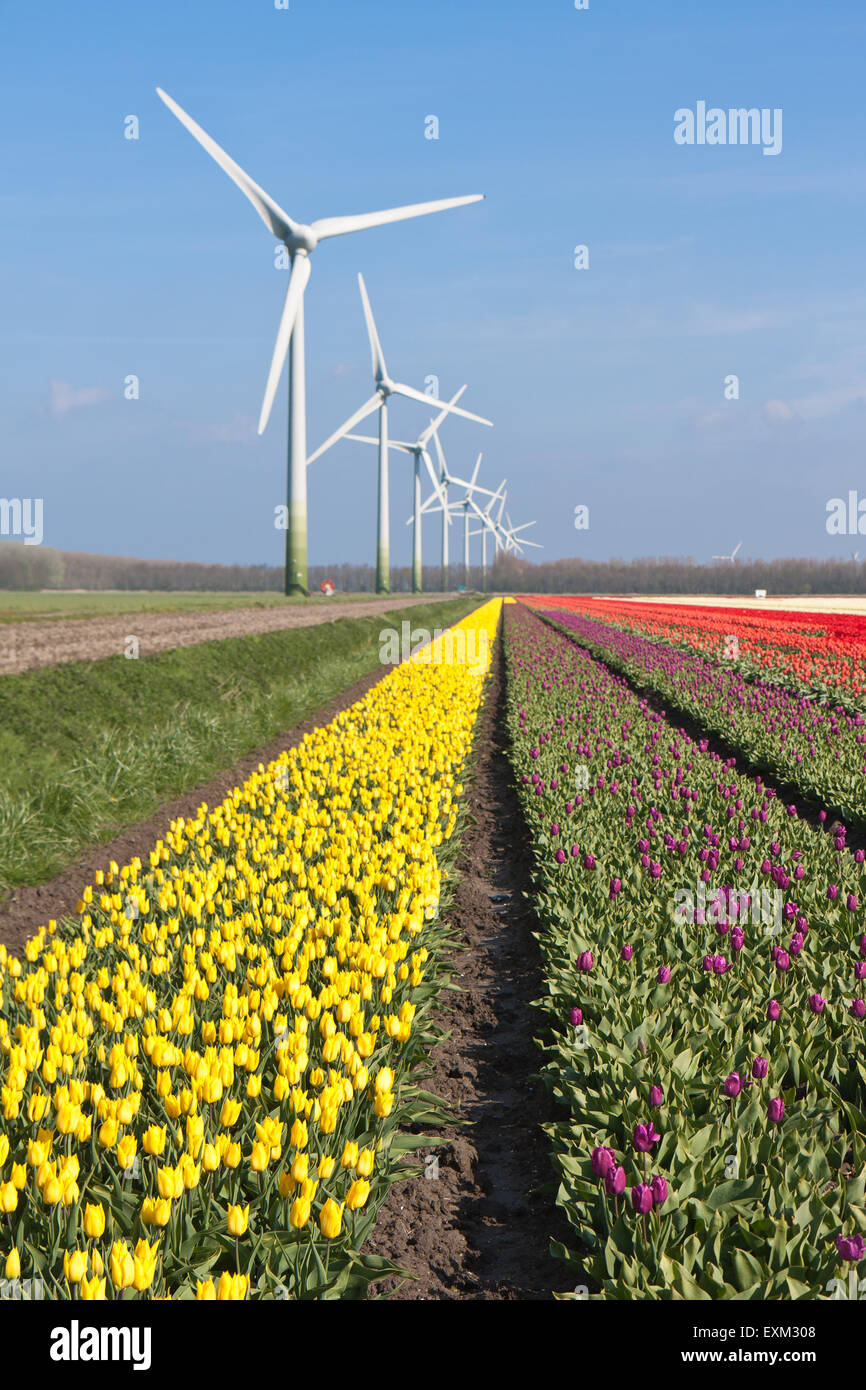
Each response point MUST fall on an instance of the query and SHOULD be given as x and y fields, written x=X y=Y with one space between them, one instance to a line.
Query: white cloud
x=65 y=397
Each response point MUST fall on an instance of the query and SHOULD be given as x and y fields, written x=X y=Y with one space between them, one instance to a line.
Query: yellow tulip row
x=229 y=1019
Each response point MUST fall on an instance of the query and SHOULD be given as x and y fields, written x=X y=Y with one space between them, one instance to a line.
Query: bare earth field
x=785 y=603
x=45 y=643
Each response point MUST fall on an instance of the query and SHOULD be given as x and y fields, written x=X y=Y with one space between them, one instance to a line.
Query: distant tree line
x=39 y=567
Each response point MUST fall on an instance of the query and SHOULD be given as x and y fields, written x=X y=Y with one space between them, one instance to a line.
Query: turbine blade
x=392 y=443
x=294 y=294
x=338 y=226
x=366 y=409
x=379 y=368
x=434 y=480
x=270 y=212
x=409 y=391
x=424 y=437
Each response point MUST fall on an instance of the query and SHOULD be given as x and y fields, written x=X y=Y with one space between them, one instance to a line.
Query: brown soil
x=25 y=645
x=480 y=1230
x=29 y=908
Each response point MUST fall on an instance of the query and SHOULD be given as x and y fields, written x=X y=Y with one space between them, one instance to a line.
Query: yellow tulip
x=357 y=1194
x=19 y=1175
x=300 y=1167
x=232 y=1287
x=230 y=1112
x=120 y=1265
x=13 y=1265
x=259 y=1158
x=154 y=1139
x=238 y=1220
x=331 y=1219
x=75 y=1265
x=286 y=1185
x=298 y=1136
x=169 y=1182
x=205 y=1291
x=350 y=1155
x=366 y=1159
x=94 y=1221
x=210 y=1159
x=126 y=1151
x=299 y=1213
x=254 y=1086
x=232 y=1155
x=52 y=1193
x=4 y=1148
x=96 y=1263
x=156 y=1211
x=326 y=1166
x=92 y=1288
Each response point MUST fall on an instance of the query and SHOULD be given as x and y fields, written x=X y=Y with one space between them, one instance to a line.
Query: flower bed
x=705 y=956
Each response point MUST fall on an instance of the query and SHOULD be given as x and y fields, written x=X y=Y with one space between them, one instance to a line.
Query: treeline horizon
x=40 y=567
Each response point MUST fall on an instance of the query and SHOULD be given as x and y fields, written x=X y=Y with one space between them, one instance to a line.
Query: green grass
x=19 y=605
x=87 y=748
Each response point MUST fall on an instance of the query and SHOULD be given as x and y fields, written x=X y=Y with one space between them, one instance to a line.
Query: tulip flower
x=659 y=1188
x=75 y=1265
x=664 y=974
x=602 y=1160
x=642 y=1198
x=644 y=1138
x=627 y=952
x=733 y=1085
x=773 y=1010
x=205 y=1291
x=776 y=1110
x=357 y=1194
x=585 y=961
x=94 y=1221
x=299 y=1213
x=576 y=1017
x=120 y=1265
x=331 y=1219
x=760 y=1067
x=13 y=1265
x=858 y=1008
x=615 y=1181
x=238 y=1220
x=816 y=1003
x=657 y=1095
x=850 y=1248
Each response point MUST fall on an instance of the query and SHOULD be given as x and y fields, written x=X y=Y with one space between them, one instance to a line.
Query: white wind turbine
x=300 y=239
x=420 y=454
x=732 y=556
x=385 y=388
x=513 y=540
x=462 y=506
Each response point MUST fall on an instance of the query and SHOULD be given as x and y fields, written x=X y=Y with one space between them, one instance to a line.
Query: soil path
x=480 y=1230
x=25 y=645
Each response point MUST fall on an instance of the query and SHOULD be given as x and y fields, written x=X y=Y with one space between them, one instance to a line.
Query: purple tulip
x=642 y=1198
x=860 y=970
x=657 y=1095
x=776 y=1110
x=760 y=1067
x=858 y=1008
x=589 y=861
x=832 y=892
x=720 y=965
x=560 y=856
x=863 y=944
x=850 y=1248
x=585 y=961
x=615 y=1181
x=644 y=1138
x=816 y=1003
x=733 y=1084
x=615 y=887
x=602 y=1160
x=659 y=1188
x=576 y=1016
x=575 y=851
x=773 y=1010
x=627 y=952
x=783 y=960
x=664 y=974
x=851 y=902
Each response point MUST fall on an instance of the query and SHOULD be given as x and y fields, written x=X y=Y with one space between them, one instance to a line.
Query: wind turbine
x=464 y=505
x=300 y=239
x=418 y=450
x=516 y=542
x=732 y=556
x=385 y=388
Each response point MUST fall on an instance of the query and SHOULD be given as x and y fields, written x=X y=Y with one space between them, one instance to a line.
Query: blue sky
x=606 y=385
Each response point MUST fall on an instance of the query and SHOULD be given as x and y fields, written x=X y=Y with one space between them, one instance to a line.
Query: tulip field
x=203 y=1077
x=707 y=1053
x=210 y=1077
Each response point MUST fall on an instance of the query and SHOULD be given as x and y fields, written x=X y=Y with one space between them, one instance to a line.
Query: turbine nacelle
x=301 y=239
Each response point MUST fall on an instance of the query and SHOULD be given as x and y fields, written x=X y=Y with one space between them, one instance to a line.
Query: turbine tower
x=385 y=388
x=300 y=241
